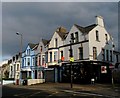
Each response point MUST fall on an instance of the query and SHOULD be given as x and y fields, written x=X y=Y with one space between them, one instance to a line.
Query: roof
x=32 y=45
x=62 y=35
x=117 y=52
x=62 y=32
x=86 y=29
x=45 y=42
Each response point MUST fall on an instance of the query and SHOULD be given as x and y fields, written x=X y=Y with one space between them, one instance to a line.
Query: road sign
x=103 y=69
x=72 y=59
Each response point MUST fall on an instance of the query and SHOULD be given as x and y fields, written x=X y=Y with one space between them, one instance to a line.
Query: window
x=94 y=53
x=81 y=53
x=36 y=61
x=107 y=55
x=55 y=55
x=72 y=38
x=97 y=35
x=50 y=56
x=56 y=42
x=43 y=60
x=106 y=38
x=17 y=67
x=46 y=57
x=111 y=55
x=25 y=62
x=61 y=54
x=14 y=67
x=116 y=58
x=22 y=62
x=28 y=52
x=39 y=60
x=28 y=61
x=103 y=54
x=76 y=37
x=33 y=61
x=70 y=53
x=40 y=48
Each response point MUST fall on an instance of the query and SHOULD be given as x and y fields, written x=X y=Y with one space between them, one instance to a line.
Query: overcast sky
x=40 y=20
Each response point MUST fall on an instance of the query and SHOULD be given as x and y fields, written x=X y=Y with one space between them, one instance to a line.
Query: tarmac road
x=53 y=90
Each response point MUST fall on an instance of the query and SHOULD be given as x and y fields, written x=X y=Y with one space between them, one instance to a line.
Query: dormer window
x=97 y=35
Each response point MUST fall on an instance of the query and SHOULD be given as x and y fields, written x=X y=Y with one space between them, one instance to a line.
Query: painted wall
x=99 y=44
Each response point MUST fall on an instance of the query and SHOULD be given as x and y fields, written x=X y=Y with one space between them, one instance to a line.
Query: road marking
x=22 y=94
x=34 y=93
x=85 y=93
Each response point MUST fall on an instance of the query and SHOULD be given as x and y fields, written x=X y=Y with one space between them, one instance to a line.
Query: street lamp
x=20 y=43
x=71 y=71
x=21 y=38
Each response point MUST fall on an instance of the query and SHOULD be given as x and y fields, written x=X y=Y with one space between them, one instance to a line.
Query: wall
x=99 y=44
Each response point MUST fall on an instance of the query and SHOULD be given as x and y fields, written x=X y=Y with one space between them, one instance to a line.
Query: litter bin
x=24 y=82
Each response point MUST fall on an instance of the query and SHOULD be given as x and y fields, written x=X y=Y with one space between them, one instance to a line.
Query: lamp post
x=21 y=38
x=20 y=43
x=71 y=71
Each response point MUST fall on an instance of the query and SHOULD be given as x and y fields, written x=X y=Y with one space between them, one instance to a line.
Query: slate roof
x=86 y=29
x=32 y=45
x=62 y=32
x=45 y=42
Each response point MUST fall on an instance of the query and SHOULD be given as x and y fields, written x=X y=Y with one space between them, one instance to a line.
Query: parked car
x=116 y=73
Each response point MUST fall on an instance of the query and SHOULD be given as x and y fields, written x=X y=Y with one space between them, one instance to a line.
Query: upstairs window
x=43 y=60
x=107 y=55
x=17 y=67
x=56 y=42
x=81 y=53
x=39 y=60
x=116 y=58
x=61 y=54
x=97 y=35
x=106 y=38
x=72 y=38
x=111 y=55
x=33 y=61
x=28 y=52
x=25 y=62
x=103 y=54
x=94 y=53
x=28 y=62
x=41 y=48
x=76 y=37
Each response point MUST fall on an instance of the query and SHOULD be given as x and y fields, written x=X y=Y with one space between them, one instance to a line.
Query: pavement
x=62 y=89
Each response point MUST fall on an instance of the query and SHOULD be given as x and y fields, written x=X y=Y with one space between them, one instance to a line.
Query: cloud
x=60 y=1
x=39 y=20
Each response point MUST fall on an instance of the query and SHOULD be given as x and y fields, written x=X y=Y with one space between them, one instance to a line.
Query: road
x=53 y=91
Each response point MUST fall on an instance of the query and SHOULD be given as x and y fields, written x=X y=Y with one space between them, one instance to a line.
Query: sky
x=37 y=20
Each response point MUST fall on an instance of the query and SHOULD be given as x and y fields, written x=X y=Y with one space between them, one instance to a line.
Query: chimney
x=99 y=21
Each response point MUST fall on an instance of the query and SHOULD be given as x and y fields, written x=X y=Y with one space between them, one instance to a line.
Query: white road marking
x=85 y=93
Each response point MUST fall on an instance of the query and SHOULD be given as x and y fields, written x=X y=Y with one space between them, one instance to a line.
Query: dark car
x=116 y=73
